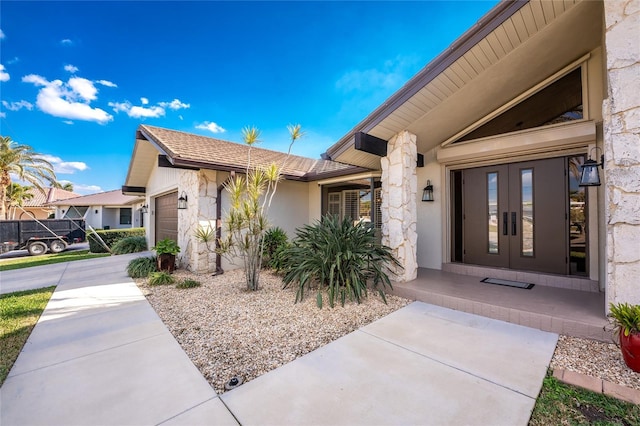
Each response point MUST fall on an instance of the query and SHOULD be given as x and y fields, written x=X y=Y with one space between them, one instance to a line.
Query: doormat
x=498 y=281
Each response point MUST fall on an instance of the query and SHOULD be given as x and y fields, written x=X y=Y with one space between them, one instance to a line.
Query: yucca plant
x=161 y=278
x=339 y=256
x=128 y=245
x=142 y=267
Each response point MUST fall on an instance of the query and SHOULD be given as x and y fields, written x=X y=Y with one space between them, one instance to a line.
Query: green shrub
x=110 y=237
x=337 y=256
x=133 y=244
x=142 y=267
x=161 y=278
x=273 y=240
x=188 y=283
x=166 y=246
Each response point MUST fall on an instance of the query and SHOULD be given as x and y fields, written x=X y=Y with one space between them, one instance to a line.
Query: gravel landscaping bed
x=228 y=331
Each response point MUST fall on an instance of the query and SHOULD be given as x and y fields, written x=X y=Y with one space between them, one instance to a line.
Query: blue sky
x=77 y=78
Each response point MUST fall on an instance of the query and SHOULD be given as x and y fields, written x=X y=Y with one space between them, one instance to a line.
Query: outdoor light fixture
x=182 y=201
x=144 y=209
x=590 y=175
x=427 y=192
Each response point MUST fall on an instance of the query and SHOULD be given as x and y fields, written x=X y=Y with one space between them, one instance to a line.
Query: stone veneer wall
x=621 y=114
x=399 y=185
x=200 y=211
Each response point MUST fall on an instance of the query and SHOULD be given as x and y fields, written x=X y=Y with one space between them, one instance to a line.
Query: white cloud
x=84 y=88
x=68 y=100
x=17 y=106
x=4 y=76
x=70 y=68
x=211 y=126
x=86 y=189
x=3 y=114
x=174 y=104
x=139 y=112
x=2 y=35
x=144 y=111
x=107 y=83
x=66 y=42
x=13 y=61
x=65 y=167
x=67 y=122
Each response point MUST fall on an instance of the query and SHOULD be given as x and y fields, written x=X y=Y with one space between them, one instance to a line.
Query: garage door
x=166 y=212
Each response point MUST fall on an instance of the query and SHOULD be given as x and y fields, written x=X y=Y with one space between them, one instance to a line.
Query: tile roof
x=50 y=195
x=200 y=151
x=109 y=198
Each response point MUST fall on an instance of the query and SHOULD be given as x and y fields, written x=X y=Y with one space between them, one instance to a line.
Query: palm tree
x=16 y=196
x=23 y=162
x=68 y=186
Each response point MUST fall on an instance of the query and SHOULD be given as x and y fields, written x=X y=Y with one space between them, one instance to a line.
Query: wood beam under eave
x=133 y=190
x=370 y=144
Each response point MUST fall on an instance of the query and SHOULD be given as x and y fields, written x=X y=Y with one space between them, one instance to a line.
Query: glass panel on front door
x=526 y=215
x=492 y=211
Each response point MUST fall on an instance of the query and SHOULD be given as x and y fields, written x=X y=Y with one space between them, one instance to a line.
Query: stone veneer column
x=201 y=189
x=621 y=115
x=399 y=183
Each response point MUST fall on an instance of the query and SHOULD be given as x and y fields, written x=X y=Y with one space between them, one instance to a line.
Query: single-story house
x=496 y=130
x=38 y=206
x=103 y=210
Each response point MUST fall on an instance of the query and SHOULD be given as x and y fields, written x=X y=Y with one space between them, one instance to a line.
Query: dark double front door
x=516 y=216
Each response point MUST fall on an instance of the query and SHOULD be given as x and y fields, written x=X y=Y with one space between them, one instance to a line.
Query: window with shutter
x=351 y=204
x=335 y=204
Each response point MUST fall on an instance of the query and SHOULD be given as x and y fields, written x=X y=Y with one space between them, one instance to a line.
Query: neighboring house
x=104 y=210
x=39 y=207
x=168 y=164
x=498 y=125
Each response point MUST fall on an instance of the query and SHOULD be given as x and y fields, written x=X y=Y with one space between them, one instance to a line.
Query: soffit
x=533 y=43
x=143 y=160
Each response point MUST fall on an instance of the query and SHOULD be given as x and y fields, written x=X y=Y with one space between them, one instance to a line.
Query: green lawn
x=48 y=259
x=561 y=404
x=19 y=313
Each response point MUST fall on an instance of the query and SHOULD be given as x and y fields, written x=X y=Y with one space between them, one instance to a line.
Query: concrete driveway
x=101 y=355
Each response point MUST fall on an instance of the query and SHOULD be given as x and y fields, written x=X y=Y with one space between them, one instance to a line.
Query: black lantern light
x=182 y=201
x=590 y=175
x=427 y=192
x=144 y=209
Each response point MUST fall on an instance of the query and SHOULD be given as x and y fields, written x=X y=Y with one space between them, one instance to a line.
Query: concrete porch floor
x=570 y=312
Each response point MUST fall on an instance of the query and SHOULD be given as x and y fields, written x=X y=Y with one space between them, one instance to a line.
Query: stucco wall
x=429 y=225
x=290 y=209
x=315 y=202
x=621 y=112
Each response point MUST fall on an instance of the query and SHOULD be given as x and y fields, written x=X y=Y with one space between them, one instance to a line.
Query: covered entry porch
x=568 y=311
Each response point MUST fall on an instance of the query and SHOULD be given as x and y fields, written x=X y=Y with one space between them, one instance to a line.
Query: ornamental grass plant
x=338 y=257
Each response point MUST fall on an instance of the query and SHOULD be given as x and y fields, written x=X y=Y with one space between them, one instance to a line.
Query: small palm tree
x=67 y=186
x=16 y=196
x=23 y=162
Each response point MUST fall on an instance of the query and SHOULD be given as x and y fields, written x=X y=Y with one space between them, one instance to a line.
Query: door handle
x=513 y=223
x=505 y=223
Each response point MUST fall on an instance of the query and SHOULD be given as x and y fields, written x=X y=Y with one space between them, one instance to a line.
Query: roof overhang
x=514 y=47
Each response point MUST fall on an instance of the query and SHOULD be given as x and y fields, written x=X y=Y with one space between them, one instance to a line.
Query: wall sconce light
x=96 y=211
x=590 y=175
x=144 y=209
x=427 y=192
x=182 y=201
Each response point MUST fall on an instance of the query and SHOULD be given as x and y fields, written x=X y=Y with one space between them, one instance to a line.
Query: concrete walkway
x=101 y=355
